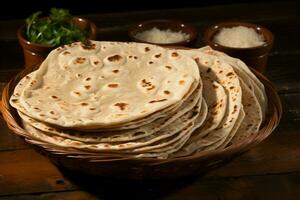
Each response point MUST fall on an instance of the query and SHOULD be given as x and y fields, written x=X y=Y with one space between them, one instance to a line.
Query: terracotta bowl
x=35 y=53
x=164 y=24
x=255 y=57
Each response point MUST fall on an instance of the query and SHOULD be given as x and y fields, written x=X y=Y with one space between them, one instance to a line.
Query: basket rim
x=271 y=122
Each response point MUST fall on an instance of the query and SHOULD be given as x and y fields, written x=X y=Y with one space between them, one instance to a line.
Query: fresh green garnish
x=57 y=29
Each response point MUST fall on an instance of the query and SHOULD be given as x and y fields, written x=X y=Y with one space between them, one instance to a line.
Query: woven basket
x=95 y=164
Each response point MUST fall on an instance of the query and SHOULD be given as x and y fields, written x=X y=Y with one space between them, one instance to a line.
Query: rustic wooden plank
x=206 y=16
x=68 y=195
x=7 y=75
x=257 y=174
x=25 y=171
x=114 y=26
x=8 y=29
x=11 y=57
x=253 y=187
x=284 y=71
x=281 y=186
x=8 y=140
x=263 y=11
x=285 y=38
x=277 y=154
x=198 y=14
x=291 y=109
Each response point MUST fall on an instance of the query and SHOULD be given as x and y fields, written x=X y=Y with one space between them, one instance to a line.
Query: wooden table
x=269 y=171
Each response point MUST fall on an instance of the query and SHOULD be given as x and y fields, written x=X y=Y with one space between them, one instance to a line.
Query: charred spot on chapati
x=80 y=60
x=167 y=92
x=114 y=58
x=174 y=54
x=147 y=84
x=54 y=97
x=157 y=55
x=66 y=53
x=113 y=85
x=88 y=45
x=229 y=74
x=156 y=101
x=122 y=106
x=87 y=87
x=181 y=82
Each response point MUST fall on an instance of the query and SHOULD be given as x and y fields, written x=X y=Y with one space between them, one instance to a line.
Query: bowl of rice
x=246 y=41
x=164 y=32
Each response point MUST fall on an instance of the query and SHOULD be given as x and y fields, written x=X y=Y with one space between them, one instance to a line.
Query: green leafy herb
x=57 y=29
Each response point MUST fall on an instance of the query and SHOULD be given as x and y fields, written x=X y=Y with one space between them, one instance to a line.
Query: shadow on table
x=105 y=188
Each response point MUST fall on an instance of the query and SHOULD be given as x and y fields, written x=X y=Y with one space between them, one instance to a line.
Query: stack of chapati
x=137 y=100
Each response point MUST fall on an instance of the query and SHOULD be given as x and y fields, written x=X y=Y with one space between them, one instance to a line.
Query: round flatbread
x=223 y=74
x=106 y=83
x=245 y=74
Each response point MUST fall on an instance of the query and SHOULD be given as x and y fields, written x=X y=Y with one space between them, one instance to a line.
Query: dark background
x=22 y=9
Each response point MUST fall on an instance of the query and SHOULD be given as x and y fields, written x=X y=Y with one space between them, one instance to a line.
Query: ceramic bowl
x=255 y=57
x=164 y=24
x=35 y=53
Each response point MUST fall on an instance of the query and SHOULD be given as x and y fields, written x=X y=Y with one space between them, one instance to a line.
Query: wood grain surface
x=269 y=171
